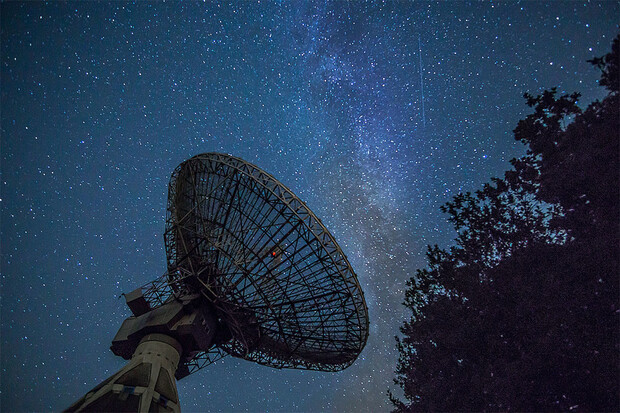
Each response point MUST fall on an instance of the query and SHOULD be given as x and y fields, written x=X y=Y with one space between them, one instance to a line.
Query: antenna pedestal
x=187 y=319
x=159 y=341
x=145 y=384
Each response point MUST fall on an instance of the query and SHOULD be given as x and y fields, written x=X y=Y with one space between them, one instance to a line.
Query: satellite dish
x=252 y=273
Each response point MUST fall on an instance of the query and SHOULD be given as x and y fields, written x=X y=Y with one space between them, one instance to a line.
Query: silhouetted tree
x=523 y=312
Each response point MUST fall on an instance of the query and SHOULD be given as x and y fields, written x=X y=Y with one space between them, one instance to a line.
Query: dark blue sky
x=100 y=101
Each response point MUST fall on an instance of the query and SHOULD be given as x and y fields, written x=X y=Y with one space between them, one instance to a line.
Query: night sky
x=374 y=114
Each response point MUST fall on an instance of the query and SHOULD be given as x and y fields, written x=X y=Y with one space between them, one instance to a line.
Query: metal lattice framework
x=275 y=276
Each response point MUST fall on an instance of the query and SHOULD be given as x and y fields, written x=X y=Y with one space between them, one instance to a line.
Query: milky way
x=374 y=114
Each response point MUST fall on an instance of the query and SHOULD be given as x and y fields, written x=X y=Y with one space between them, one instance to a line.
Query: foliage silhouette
x=523 y=313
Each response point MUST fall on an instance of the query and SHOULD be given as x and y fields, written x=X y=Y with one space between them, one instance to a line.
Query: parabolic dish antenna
x=252 y=273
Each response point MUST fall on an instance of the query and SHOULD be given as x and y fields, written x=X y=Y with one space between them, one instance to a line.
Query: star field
x=374 y=114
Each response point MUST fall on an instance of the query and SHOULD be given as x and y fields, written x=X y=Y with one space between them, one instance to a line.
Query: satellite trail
x=421 y=82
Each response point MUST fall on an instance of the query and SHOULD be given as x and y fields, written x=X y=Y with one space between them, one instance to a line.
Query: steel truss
x=276 y=277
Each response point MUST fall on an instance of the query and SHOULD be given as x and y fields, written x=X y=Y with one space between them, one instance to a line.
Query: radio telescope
x=252 y=273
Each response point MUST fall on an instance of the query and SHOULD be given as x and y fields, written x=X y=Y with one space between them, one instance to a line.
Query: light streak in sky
x=421 y=82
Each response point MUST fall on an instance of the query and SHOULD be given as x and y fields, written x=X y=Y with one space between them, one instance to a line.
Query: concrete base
x=145 y=384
